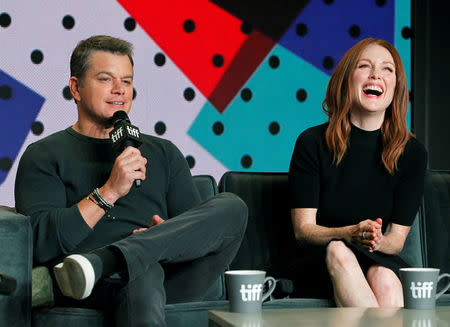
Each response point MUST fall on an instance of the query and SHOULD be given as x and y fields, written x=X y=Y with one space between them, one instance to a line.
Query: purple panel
x=329 y=30
x=19 y=107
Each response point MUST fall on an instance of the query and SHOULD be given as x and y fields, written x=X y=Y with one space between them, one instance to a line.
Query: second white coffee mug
x=245 y=289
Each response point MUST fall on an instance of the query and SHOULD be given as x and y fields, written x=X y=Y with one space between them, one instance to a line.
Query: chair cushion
x=269 y=242
x=413 y=251
x=206 y=185
x=41 y=287
x=68 y=317
x=16 y=255
x=437 y=222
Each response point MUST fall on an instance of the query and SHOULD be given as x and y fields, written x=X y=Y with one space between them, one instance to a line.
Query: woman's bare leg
x=350 y=286
x=386 y=286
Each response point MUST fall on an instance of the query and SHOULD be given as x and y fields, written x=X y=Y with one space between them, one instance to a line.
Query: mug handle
x=272 y=283
x=446 y=287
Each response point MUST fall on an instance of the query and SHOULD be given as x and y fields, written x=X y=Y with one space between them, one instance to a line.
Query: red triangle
x=216 y=32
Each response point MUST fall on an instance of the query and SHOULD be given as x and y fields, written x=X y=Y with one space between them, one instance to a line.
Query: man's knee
x=235 y=205
x=235 y=210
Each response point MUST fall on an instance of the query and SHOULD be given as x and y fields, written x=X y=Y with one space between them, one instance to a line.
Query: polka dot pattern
x=159 y=59
x=68 y=22
x=37 y=56
x=5 y=19
x=129 y=24
x=189 y=25
x=160 y=128
x=189 y=94
x=5 y=92
x=246 y=94
x=37 y=128
x=272 y=108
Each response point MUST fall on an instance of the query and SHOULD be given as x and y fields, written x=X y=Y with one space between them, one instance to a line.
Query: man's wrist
x=98 y=199
x=108 y=194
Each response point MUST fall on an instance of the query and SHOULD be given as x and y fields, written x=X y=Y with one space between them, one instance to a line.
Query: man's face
x=107 y=87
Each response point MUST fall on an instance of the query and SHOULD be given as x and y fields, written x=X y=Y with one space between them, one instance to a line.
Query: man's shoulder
x=154 y=143
x=51 y=141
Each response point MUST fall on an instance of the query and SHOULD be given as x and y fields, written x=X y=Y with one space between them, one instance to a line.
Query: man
x=90 y=220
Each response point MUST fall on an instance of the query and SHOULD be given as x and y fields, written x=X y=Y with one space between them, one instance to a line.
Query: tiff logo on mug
x=251 y=292
x=422 y=290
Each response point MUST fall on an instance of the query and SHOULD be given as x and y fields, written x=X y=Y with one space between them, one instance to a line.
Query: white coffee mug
x=419 y=287
x=245 y=289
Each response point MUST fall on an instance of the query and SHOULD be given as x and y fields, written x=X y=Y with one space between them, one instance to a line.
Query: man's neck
x=92 y=130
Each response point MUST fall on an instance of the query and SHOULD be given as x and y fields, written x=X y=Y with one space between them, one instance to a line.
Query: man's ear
x=74 y=85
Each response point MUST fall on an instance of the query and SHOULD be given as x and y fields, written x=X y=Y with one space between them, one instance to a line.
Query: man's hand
x=156 y=220
x=367 y=234
x=129 y=166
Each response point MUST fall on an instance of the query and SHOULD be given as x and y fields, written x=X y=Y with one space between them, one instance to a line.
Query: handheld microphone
x=124 y=134
x=7 y=284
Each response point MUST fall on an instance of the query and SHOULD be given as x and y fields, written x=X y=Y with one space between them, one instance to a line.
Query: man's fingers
x=139 y=230
x=156 y=220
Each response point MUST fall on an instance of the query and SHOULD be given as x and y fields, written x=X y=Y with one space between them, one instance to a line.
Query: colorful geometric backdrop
x=231 y=82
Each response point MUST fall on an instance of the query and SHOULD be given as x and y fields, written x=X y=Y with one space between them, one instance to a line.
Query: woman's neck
x=367 y=121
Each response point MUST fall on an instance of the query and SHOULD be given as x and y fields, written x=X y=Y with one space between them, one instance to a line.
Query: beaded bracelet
x=101 y=202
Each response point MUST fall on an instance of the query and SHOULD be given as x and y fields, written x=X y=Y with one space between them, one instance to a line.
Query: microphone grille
x=119 y=116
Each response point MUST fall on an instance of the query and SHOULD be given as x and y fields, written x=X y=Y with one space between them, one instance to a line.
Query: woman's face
x=373 y=80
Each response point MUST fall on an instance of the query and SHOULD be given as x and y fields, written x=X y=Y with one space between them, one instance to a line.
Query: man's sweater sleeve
x=182 y=193
x=40 y=193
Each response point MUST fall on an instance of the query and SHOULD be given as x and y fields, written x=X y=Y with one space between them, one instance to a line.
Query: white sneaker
x=75 y=276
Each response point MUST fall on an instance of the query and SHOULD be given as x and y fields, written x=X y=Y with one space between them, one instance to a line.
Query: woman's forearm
x=320 y=235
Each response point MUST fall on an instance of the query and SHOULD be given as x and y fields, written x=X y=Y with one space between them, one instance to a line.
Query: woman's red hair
x=339 y=100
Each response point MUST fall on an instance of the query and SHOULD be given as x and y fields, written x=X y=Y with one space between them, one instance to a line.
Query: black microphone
x=124 y=134
x=7 y=284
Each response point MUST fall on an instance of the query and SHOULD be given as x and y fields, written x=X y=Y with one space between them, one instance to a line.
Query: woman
x=357 y=180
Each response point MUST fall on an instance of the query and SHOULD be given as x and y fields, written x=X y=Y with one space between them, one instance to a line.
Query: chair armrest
x=16 y=261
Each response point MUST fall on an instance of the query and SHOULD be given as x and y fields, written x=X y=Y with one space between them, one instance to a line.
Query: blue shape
x=402 y=20
x=403 y=46
x=16 y=117
x=328 y=29
x=273 y=100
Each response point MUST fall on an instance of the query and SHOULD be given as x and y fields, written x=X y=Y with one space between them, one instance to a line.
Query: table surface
x=348 y=317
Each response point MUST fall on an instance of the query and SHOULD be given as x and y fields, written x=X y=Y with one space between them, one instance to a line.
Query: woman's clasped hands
x=367 y=234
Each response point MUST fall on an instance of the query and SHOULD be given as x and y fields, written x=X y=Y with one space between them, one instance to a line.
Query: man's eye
x=127 y=82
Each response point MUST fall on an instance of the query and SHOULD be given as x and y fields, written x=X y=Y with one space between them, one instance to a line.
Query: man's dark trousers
x=175 y=261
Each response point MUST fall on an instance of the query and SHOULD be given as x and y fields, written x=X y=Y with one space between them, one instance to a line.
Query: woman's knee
x=382 y=278
x=339 y=256
x=386 y=286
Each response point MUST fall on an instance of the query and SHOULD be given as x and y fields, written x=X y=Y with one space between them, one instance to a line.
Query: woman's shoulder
x=414 y=156
x=414 y=148
x=313 y=134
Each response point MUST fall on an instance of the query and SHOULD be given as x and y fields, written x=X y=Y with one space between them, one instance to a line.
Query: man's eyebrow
x=111 y=74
